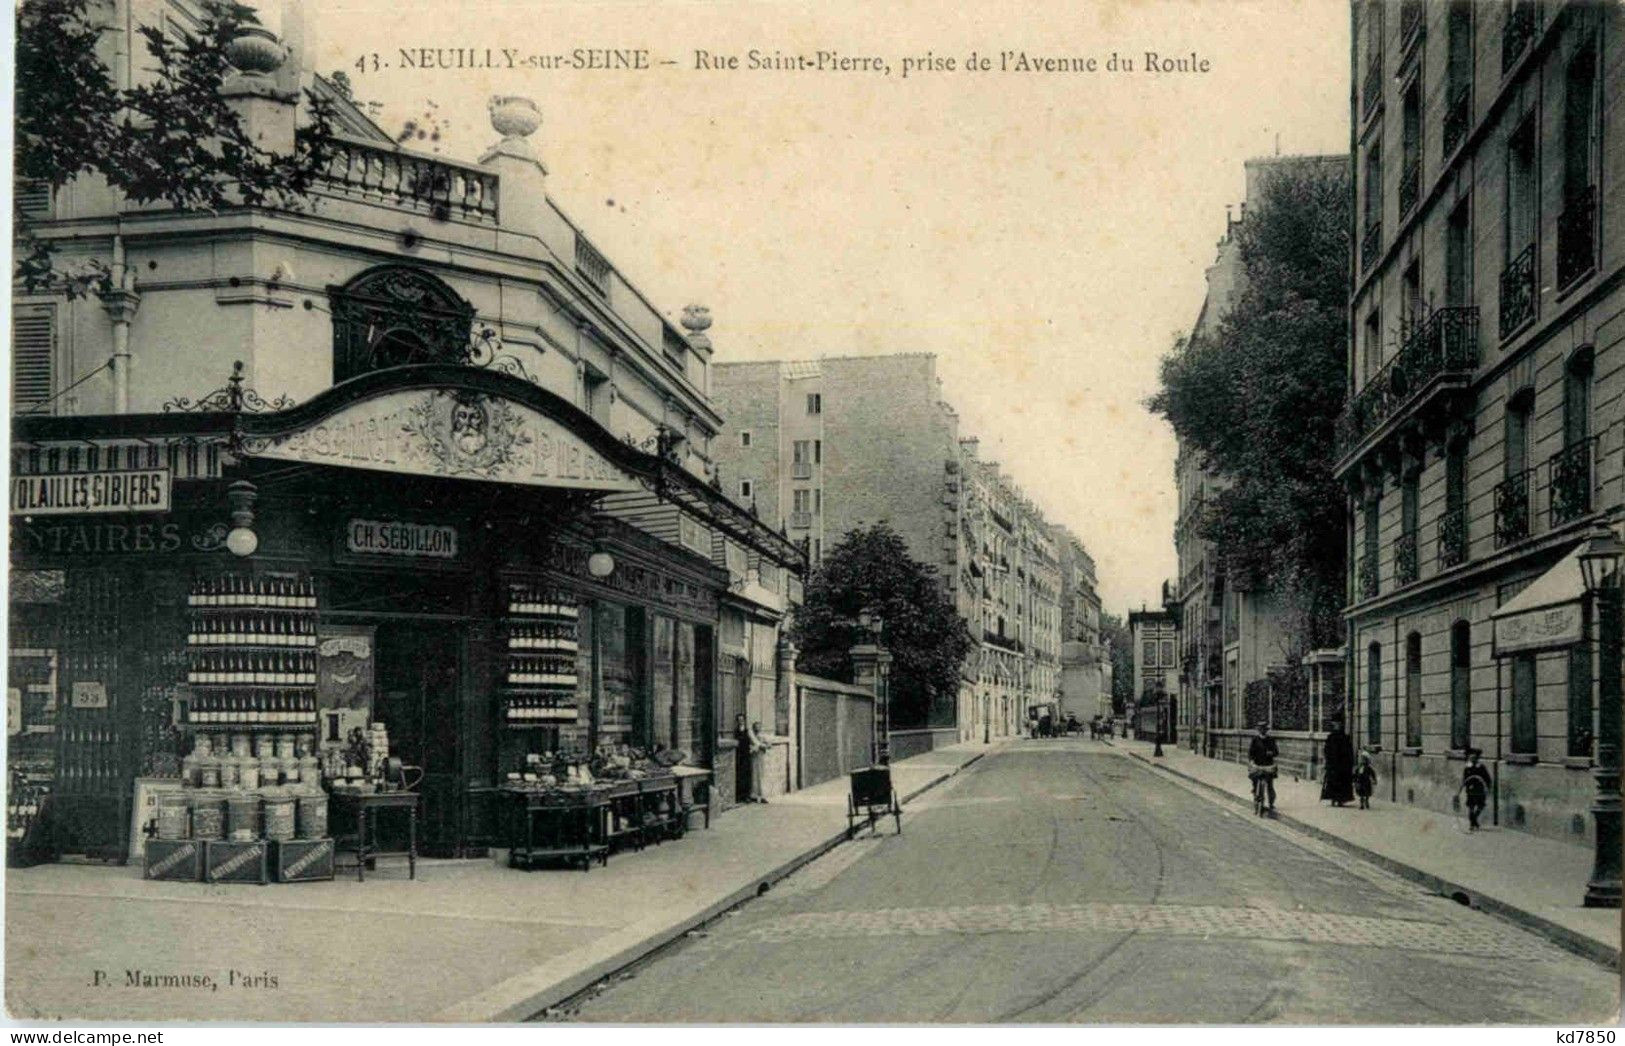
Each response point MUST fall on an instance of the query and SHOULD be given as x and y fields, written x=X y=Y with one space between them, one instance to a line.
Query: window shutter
x=34 y=198
x=33 y=354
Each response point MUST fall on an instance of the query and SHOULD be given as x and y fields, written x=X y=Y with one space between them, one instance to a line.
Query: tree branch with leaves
x=173 y=138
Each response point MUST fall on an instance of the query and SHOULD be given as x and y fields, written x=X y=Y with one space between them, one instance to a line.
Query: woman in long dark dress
x=1339 y=762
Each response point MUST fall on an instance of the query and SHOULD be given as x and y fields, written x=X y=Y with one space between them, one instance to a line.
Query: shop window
x=397 y=315
x=1461 y=685
x=1413 y=690
x=1523 y=704
x=1580 y=711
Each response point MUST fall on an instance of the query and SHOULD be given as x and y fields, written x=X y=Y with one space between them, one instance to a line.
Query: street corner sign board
x=451 y=433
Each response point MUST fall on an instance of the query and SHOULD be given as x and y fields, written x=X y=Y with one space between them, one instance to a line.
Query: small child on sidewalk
x=1365 y=779
x=1475 y=781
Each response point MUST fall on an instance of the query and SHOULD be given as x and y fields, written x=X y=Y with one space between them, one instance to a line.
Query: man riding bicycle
x=1261 y=756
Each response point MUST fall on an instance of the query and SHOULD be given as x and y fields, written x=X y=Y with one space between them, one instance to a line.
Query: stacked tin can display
x=251 y=798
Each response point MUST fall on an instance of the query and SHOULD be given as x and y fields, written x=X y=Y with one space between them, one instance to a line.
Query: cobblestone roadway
x=1058 y=881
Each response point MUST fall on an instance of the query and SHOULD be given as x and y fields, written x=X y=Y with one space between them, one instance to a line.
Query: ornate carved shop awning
x=439 y=420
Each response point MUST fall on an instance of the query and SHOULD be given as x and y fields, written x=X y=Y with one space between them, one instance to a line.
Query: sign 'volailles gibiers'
x=395 y=538
x=146 y=490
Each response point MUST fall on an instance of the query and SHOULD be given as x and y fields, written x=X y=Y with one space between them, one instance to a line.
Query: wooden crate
x=302 y=861
x=174 y=860
x=230 y=862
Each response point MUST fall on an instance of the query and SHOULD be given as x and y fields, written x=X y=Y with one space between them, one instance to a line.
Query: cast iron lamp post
x=1599 y=565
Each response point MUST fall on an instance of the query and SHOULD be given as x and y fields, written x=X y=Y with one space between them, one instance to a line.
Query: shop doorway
x=419 y=677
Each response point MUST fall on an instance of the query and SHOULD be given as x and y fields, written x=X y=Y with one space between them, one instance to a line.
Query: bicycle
x=1260 y=776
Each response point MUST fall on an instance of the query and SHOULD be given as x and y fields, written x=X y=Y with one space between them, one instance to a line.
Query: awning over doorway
x=1547 y=614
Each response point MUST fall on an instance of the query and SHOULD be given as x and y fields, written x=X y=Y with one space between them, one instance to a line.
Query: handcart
x=872 y=797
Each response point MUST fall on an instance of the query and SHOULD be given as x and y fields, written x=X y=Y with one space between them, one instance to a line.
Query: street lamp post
x=1599 y=565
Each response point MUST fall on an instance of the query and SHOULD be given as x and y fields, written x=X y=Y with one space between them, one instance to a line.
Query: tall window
x=1373 y=695
x=1458 y=257
x=744 y=438
x=815 y=403
x=747 y=490
x=1368 y=560
x=1577 y=400
x=1461 y=685
x=1413 y=691
x=1373 y=185
x=1517 y=434
x=1523 y=704
x=1458 y=95
x=1373 y=343
x=801 y=500
x=1407 y=563
x=1522 y=190
x=1410 y=165
x=1411 y=291
x=1577 y=222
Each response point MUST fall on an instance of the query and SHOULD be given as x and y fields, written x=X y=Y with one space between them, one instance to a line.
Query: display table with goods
x=563 y=809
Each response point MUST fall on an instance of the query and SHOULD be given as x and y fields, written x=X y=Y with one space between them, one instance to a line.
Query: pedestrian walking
x=1338 y=783
x=758 y=762
x=1475 y=781
x=1364 y=779
x=743 y=761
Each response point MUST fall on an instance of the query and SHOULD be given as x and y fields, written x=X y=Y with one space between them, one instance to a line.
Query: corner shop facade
x=428 y=505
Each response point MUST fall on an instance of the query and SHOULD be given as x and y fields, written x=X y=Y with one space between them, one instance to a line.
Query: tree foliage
x=1258 y=399
x=870 y=569
x=1114 y=631
x=172 y=139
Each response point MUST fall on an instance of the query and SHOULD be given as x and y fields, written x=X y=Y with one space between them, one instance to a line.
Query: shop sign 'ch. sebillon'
x=456 y=434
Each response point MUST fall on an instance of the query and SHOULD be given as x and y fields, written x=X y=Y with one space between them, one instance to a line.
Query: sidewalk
x=466 y=941
x=1535 y=882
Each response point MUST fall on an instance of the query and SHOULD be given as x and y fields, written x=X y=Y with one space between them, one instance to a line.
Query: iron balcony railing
x=1523 y=17
x=1518 y=292
x=1406 y=567
x=1410 y=184
x=1512 y=508
x=1570 y=480
x=801 y=520
x=1370 y=246
x=801 y=470
x=395 y=178
x=1453 y=538
x=1577 y=238
x=1457 y=115
x=1447 y=344
x=1367 y=576
x=1371 y=92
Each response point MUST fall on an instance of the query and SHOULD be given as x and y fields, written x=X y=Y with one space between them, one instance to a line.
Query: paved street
x=1061 y=881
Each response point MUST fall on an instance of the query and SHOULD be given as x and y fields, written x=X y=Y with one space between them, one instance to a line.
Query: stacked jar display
x=251 y=782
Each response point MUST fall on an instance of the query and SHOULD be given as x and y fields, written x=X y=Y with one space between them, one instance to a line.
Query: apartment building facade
x=819 y=447
x=1085 y=690
x=1485 y=427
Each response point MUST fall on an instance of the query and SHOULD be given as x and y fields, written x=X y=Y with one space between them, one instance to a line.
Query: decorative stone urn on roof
x=697 y=320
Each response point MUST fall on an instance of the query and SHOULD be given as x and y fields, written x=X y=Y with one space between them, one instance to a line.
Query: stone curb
x=1565 y=938
x=528 y=994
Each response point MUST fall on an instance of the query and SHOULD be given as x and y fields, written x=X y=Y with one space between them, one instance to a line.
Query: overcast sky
x=1045 y=234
